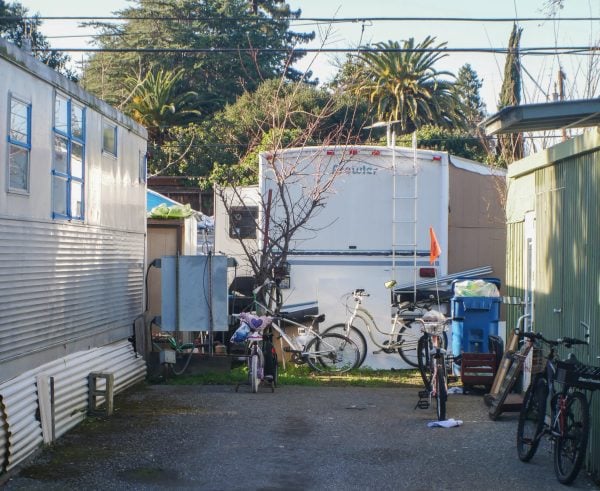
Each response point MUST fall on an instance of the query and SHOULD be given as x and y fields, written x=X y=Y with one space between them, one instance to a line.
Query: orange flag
x=435 y=249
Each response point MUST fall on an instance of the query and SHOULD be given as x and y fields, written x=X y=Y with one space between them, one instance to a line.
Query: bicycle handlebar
x=568 y=342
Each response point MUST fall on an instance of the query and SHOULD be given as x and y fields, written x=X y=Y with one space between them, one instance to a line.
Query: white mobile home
x=72 y=249
x=375 y=224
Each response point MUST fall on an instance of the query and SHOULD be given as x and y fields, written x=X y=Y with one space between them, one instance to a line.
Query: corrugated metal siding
x=568 y=265
x=60 y=283
x=22 y=433
x=582 y=271
x=550 y=202
x=515 y=265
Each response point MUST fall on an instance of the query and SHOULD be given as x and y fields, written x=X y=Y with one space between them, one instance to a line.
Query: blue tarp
x=154 y=199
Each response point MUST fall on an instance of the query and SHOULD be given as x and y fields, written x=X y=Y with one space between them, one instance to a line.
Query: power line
x=154 y=147
x=539 y=50
x=311 y=19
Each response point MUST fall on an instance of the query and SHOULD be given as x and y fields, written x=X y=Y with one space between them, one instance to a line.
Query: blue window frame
x=68 y=164
x=19 y=145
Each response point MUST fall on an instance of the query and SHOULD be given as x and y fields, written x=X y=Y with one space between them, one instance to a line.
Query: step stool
x=94 y=391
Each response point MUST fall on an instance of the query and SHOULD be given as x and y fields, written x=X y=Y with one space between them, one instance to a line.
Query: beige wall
x=166 y=238
x=476 y=226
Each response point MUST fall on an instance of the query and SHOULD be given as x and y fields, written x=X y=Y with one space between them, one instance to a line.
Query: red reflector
x=437 y=157
x=376 y=152
x=353 y=151
x=329 y=152
x=427 y=272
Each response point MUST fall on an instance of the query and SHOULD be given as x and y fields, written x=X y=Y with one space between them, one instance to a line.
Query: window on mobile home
x=19 y=145
x=68 y=159
x=109 y=138
x=143 y=168
x=242 y=222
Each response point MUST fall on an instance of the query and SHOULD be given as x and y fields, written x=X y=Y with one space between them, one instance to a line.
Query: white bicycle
x=327 y=353
x=402 y=337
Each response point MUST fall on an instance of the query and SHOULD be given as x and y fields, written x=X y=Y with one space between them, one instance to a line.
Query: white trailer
x=375 y=224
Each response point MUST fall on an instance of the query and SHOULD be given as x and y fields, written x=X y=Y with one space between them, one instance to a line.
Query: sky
x=540 y=72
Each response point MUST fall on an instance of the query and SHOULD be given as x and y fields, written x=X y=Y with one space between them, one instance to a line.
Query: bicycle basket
x=578 y=375
x=434 y=328
x=538 y=362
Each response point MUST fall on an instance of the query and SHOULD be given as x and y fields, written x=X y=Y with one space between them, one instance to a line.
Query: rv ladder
x=404 y=209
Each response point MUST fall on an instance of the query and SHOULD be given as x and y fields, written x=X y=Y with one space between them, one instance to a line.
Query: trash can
x=475 y=308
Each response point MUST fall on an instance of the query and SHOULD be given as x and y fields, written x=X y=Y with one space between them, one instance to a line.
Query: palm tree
x=402 y=85
x=157 y=104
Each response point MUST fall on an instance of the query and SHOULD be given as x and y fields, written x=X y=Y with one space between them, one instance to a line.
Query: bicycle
x=432 y=362
x=259 y=350
x=568 y=423
x=327 y=352
x=403 y=336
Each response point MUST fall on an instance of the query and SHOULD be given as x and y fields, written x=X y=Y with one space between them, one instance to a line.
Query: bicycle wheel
x=253 y=369
x=332 y=353
x=441 y=389
x=571 y=444
x=408 y=339
x=275 y=371
x=423 y=361
x=355 y=334
x=531 y=419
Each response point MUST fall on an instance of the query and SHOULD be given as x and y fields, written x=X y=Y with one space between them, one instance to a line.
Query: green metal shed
x=553 y=249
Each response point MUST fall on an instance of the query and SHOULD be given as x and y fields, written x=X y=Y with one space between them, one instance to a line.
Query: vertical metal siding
x=515 y=265
x=568 y=267
x=549 y=207
x=588 y=302
x=22 y=433
x=60 y=283
x=592 y=298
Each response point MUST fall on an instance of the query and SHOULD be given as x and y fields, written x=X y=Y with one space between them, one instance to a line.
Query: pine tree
x=228 y=27
x=467 y=88
x=16 y=29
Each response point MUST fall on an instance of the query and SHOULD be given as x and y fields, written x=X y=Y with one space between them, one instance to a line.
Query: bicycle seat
x=571 y=358
x=318 y=318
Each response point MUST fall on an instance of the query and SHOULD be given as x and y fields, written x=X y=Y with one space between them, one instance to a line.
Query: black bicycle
x=566 y=388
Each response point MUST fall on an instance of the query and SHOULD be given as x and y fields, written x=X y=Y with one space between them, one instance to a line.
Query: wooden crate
x=478 y=369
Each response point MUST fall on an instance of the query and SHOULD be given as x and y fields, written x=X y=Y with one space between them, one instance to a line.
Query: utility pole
x=561 y=95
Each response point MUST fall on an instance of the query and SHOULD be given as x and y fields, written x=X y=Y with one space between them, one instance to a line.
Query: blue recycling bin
x=474 y=319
